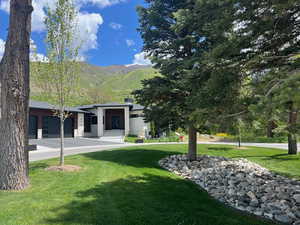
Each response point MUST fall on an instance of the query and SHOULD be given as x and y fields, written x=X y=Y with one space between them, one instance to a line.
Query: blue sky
x=107 y=27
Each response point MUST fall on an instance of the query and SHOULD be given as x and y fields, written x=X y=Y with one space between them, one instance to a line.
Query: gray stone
x=243 y=185
x=283 y=218
x=297 y=198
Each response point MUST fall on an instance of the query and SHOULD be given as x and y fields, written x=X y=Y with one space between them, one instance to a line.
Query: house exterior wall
x=94 y=127
x=138 y=126
x=40 y=113
x=127 y=121
x=101 y=118
x=79 y=131
x=100 y=115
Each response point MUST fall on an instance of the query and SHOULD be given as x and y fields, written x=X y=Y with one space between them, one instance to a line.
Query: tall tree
x=260 y=42
x=62 y=69
x=14 y=96
x=166 y=97
x=190 y=92
x=268 y=34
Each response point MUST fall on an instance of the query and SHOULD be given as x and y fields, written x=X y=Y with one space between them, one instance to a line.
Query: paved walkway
x=264 y=145
x=48 y=153
x=54 y=143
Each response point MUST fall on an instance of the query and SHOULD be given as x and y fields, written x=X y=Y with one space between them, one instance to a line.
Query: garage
x=51 y=127
x=33 y=127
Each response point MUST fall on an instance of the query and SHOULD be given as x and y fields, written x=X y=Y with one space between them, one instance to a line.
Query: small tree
x=61 y=72
x=14 y=96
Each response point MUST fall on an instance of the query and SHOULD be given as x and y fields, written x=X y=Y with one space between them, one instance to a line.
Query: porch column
x=40 y=127
x=100 y=122
x=126 y=116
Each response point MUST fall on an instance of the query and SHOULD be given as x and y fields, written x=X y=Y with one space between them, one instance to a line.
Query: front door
x=116 y=122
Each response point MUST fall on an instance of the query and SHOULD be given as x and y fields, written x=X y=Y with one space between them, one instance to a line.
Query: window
x=87 y=123
x=134 y=116
x=94 y=120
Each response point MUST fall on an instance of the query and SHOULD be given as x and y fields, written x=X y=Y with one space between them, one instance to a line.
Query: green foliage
x=98 y=84
x=58 y=78
x=133 y=139
x=127 y=186
x=178 y=37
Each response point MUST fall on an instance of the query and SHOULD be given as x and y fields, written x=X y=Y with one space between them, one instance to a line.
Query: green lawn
x=127 y=187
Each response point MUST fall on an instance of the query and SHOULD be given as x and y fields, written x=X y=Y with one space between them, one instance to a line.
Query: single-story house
x=95 y=120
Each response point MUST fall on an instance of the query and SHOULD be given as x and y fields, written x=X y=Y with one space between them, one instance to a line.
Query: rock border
x=242 y=184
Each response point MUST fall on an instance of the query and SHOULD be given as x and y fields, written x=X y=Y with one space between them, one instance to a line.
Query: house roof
x=137 y=107
x=134 y=107
x=45 y=105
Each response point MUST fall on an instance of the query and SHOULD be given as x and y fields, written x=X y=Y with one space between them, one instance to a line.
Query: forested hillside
x=99 y=84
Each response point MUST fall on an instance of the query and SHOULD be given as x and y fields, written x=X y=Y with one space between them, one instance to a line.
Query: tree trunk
x=192 y=154
x=62 y=137
x=14 y=96
x=270 y=127
x=292 y=135
x=240 y=136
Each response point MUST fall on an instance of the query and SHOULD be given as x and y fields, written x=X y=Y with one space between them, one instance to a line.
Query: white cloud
x=116 y=26
x=88 y=26
x=34 y=55
x=141 y=59
x=88 y=23
x=38 y=14
x=37 y=57
x=130 y=42
x=2 y=47
x=4 y=5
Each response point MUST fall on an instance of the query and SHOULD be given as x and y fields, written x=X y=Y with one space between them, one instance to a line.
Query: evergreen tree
x=190 y=92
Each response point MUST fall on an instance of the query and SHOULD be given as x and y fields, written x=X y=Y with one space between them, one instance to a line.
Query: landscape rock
x=242 y=184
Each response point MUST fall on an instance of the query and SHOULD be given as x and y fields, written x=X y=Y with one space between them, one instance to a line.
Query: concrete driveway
x=54 y=143
x=48 y=153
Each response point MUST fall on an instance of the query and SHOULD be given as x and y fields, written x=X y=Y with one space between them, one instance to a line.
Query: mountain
x=100 y=84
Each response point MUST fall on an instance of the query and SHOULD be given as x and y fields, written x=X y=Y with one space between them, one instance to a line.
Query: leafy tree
x=60 y=74
x=14 y=95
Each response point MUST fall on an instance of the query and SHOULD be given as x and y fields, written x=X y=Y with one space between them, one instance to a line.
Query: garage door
x=33 y=126
x=51 y=127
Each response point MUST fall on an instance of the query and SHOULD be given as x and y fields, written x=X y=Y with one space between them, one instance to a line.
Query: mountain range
x=101 y=84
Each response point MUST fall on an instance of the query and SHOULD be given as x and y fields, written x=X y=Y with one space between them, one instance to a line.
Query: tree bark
x=62 y=136
x=14 y=97
x=270 y=129
x=292 y=135
x=192 y=154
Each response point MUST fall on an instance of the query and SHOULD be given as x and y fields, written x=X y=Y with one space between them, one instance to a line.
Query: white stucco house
x=97 y=120
x=113 y=118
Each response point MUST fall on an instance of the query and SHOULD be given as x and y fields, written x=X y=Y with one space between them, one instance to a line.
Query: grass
x=127 y=187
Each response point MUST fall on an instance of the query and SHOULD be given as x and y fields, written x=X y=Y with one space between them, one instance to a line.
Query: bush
x=223 y=135
x=132 y=139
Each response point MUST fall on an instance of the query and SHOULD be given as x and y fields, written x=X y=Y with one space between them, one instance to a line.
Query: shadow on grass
x=149 y=200
x=37 y=166
x=141 y=158
x=220 y=148
x=277 y=157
